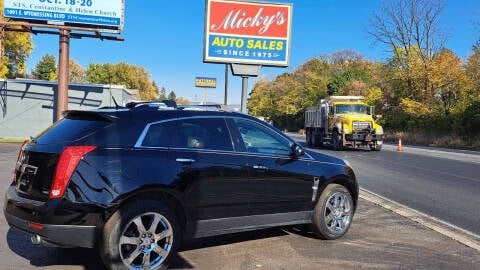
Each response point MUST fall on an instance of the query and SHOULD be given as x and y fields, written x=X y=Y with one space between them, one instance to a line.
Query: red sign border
x=207 y=59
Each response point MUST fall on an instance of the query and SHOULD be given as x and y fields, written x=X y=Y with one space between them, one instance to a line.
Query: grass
x=11 y=140
x=423 y=138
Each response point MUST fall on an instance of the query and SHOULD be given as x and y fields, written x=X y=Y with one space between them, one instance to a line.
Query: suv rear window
x=67 y=130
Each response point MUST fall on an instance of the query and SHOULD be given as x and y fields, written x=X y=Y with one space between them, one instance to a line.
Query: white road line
x=463 y=236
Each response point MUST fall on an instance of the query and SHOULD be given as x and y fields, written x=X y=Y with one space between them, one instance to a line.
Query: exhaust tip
x=36 y=239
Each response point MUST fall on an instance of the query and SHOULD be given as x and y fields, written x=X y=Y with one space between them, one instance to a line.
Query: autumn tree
x=46 y=68
x=473 y=70
x=410 y=28
x=77 y=72
x=16 y=47
x=131 y=76
x=182 y=101
x=449 y=79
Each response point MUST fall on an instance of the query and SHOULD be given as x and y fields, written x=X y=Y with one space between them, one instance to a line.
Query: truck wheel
x=309 y=138
x=144 y=235
x=376 y=147
x=337 y=141
x=333 y=213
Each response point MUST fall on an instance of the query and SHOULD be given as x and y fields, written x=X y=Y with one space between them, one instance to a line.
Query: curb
x=451 y=231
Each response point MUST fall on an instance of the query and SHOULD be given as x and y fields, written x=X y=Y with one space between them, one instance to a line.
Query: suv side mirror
x=297 y=150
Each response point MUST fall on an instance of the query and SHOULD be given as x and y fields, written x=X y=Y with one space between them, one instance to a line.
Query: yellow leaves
x=447 y=72
x=413 y=108
x=374 y=96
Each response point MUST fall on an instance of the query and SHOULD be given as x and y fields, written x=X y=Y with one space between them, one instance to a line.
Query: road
x=444 y=184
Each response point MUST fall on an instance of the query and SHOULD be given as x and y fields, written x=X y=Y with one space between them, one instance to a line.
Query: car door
x=211 y=175
x=279 y=182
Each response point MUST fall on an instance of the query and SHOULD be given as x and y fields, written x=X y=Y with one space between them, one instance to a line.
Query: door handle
x=260 y=167
x=185 y=160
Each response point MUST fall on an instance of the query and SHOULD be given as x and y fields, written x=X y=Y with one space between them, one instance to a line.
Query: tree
x=172 y=96
x=77 y=72
x=100 y=73
x=449 y=79
x=131 y=76
x=16 y=47
x=410 y=29
x=183 y=101
x=46 y=69
x=473 y=69
x=162 y=93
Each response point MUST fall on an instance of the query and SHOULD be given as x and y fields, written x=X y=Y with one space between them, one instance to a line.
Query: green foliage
x=172 y=96
x=471 y=119
x=131 y=76
x=17 y=47
x=46 y=68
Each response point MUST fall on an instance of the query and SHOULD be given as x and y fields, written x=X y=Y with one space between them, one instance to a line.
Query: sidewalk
x=378 y=239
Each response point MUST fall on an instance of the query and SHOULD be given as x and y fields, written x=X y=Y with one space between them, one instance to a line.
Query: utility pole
x=63 y=73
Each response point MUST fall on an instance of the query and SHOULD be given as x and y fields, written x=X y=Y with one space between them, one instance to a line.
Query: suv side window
x=159 y=135
x=259 y=139
x=203 y=133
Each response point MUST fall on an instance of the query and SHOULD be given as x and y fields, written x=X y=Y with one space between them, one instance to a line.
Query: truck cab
x=343 y=121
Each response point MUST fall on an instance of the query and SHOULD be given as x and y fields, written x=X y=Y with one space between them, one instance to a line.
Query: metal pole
x=63 y=71
x=244 y=93
x=226 y=85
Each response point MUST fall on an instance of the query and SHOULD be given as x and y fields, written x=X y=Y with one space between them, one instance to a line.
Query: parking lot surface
x=378 y=239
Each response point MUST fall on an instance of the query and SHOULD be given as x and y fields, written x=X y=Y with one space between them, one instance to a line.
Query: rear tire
x=309 y=137
x=142 y=235
x=333 y=213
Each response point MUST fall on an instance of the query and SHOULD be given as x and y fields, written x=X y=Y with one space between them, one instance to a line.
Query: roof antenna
x=115 y=101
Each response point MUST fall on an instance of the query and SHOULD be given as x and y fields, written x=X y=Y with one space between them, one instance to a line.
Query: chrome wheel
x=337 y=213
x=146 y=241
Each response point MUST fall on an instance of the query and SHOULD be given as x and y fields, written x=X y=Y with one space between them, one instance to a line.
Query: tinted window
x=159 y=135
x=67 y=130
x=259 y=139
x=208 y=133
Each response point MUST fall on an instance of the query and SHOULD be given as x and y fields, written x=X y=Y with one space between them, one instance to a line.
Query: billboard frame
x=52 y=14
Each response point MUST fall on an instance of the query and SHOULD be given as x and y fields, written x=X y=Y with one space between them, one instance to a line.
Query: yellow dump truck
x=343 y=121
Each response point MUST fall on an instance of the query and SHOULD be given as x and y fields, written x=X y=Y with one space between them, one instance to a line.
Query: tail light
x=67 y=164
x=20 y=154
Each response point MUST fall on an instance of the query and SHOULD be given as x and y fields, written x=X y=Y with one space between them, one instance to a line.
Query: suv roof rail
x=158 y=104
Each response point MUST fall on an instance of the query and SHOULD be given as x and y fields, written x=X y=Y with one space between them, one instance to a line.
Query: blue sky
x=166 y=37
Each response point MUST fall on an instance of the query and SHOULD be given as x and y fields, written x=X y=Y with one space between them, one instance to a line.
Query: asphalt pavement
x=378 y=239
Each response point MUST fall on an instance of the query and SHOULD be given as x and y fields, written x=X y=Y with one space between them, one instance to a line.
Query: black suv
x=134 y=182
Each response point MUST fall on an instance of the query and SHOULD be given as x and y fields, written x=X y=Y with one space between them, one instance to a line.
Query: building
x=27 y=107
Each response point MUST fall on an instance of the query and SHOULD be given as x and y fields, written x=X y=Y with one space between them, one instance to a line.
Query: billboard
x=248 y=32
x=106 y=14
x=203 y=82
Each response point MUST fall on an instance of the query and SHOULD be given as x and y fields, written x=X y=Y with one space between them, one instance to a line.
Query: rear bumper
x=40 y=218
x=56 y=235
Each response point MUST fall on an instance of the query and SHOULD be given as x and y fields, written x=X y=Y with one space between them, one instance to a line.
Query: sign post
x=252 y=34
x=205 y=83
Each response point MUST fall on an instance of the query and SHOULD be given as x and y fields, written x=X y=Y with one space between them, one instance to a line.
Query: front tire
x=337 y=142
x=143 y=235
x=376 y=147
x=333 y=213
